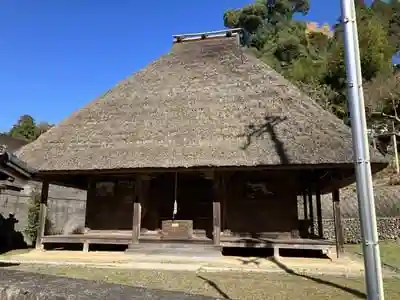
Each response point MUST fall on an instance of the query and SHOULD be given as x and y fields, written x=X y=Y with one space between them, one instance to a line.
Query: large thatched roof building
x=205 y=106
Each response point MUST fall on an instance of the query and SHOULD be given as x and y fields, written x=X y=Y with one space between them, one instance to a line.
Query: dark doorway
x=194 y=201
x=195 y=197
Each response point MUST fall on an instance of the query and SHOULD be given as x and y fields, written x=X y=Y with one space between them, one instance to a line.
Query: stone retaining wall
x=388 y=229
x=65 y=206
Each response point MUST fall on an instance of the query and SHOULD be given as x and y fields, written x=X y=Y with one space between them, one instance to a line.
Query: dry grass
x=228 y=285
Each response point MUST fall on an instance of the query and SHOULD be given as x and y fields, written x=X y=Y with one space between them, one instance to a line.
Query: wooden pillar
x=140 y=199
x=90 y=201
x=224 y=216
x=310 y=202
x=217 y=187
x=137 y=210
x=42 y=215
x=305 y=206
x=338 y=223
x=224 y=199
x=319 y=213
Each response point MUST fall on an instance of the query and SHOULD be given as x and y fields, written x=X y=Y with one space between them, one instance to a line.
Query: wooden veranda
x=221 y=210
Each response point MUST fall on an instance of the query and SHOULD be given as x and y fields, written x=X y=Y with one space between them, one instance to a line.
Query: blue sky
x=56 y=56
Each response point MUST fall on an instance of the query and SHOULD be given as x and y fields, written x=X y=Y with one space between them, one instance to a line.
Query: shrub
x=33 y=217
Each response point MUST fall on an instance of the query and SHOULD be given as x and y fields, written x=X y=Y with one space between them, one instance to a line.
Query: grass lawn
x=228 y=285
x=390 y=253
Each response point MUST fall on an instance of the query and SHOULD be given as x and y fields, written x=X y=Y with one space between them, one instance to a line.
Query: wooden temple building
x=205 y=145
x=14 y=173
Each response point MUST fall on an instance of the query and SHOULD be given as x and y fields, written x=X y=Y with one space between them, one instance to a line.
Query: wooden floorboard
x=125 y=238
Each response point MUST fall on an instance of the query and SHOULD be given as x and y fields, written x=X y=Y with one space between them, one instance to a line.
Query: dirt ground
x=221 y=277
x=346 y=266
x=227 y=285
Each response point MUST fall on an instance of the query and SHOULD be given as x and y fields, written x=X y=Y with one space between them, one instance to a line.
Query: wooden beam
x=218 y=180
x=129 y=171
x=310 y=202
x=338 y=223
x=319 y=213
x=42 y=215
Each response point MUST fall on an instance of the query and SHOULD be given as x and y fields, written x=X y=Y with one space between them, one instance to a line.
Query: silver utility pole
x=365 y=193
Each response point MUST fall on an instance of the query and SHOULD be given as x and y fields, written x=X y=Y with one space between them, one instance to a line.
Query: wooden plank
x=338 y=223
x=319 y=214
x=42 y=215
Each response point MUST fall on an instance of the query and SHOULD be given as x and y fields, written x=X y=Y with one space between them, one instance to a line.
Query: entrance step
x=175 y=249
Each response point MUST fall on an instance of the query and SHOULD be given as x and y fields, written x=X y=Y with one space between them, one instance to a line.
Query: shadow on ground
x=5 y=265
x=10 y=239
x=355 y=293
x=269 y=252
x=256 y=256
x=215 y=286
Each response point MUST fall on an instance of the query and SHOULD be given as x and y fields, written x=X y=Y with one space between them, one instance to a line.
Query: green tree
x=315 y=61
x=389 y=15
x=25 y=128
x=382 y=99
x=375 y=55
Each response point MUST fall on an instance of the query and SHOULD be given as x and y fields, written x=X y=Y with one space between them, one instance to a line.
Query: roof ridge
x=179 y=38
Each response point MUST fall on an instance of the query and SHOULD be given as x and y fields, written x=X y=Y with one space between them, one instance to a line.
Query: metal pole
x=365 y=195
x=396 y=154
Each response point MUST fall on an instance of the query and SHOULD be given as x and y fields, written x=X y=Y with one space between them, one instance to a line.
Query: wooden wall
x=250 y=207
x=254 y=208
x=110 y=205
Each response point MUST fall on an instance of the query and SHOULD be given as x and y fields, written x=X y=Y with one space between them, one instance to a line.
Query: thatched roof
x=11 y=143
x=13 y=172
x=205 y=103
